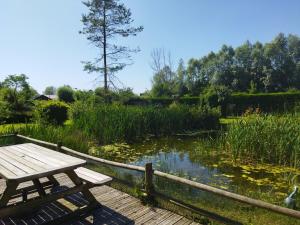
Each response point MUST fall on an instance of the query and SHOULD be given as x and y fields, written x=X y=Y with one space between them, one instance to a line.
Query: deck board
x=118 y=208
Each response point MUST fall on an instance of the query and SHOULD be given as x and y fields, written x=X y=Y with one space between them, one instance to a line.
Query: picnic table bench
x=30 y=162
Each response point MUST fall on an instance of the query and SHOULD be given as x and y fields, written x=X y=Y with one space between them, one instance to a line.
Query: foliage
x=66 y=94
x=267 y=139
x=267 y=102
x=52 y=112
x=117 y=123
x=15 y=99
x=50 y=90
x=105 y=21
x=216 y=96
x=67 y=135
x=270 y=67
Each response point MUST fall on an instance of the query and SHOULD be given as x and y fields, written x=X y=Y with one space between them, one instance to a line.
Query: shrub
x=66 y=94
x=267 y=102
x=216 y=96
x=53 y=112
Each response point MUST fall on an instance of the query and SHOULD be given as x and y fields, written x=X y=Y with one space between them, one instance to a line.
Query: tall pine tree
x=105 y=21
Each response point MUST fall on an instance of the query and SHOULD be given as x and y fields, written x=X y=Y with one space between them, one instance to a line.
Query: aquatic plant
x=265 y=138
x=65 y=134
x=118 y=123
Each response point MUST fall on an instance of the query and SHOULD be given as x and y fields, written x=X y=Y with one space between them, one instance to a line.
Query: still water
x=203 y=160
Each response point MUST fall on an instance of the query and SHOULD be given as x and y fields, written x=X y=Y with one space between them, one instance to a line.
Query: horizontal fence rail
x=149 y=173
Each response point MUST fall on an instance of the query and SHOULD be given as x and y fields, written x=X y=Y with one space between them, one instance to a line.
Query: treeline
x=270 y=67
x=18 y=105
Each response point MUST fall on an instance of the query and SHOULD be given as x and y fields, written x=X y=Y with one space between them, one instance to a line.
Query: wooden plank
x=18 y=162
x=41 y=156
x=15 y=150
x=183 y=221
x=8 y=173
x=92 y=176
x=166 y=214
x=11 y=168
x=171 y=220
x=34 y=204
x=55 y=154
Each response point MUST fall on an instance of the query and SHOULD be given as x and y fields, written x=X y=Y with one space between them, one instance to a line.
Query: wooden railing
x=149 y=173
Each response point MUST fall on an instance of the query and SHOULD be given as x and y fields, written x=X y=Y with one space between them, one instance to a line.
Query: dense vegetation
x=116 y=123
x=265 y=139
x=253 y=68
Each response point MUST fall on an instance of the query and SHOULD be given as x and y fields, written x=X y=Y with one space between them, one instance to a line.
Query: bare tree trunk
x=104 y=51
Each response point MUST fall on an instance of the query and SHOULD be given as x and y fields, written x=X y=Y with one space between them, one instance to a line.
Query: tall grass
x=265 y=138
x=66 y=134
x=114 y=123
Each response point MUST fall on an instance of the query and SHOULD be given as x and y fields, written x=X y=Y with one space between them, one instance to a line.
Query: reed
x=65 y=134
x=265 y=138
x=115 y=123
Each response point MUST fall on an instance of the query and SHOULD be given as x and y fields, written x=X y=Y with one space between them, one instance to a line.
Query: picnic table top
x=29 y=161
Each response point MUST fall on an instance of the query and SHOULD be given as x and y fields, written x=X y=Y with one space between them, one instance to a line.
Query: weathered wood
x=233 y=196
x=10 y=190
x=34 y=204
x=28 y=161
x=58 y=146
x=149 y=187
x=92 y=177
x=85 y=191
x=39 y=187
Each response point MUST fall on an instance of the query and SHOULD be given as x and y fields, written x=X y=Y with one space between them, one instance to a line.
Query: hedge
x=266 y=102
x=163 y=101
x=236 y=104
x=53 y=112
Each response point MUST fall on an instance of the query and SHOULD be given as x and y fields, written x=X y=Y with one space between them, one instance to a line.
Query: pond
x=202 y=160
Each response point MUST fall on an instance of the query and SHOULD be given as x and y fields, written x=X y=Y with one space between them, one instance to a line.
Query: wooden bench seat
x=92 y=177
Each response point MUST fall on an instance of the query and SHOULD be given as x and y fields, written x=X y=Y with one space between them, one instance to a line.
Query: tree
x=105 y=21
x=163 y=81
x=16 y=99
x=66 y=94
x=50 y=90
x=17 y=91
x=180 y=80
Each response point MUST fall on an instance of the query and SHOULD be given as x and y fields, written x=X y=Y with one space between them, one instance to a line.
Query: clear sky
x=40 y=37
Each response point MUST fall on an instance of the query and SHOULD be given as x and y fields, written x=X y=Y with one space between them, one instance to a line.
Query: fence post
x=58 y=146
x=15 y=138
x=149 y=179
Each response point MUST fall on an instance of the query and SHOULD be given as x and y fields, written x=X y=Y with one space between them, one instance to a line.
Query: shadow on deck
x=117 y=208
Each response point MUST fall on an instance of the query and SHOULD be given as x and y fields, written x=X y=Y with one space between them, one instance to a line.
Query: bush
x=267 y=102
x=162 y=101
x=216 y=96
x=53 y=112
x=66 y=94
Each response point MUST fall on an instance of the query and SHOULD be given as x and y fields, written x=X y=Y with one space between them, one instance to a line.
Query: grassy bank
x=66 y=134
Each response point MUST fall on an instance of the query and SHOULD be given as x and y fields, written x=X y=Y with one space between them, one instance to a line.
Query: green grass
x=66 y=134
x=265 y=139
x=228 y=120
x=115 y=123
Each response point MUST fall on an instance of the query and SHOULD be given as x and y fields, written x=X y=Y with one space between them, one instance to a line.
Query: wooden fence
x=150 y=173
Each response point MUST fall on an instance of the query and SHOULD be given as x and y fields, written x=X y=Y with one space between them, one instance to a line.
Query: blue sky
x=40 y=37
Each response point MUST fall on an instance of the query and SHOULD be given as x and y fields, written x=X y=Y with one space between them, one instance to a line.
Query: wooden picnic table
x=30 y=162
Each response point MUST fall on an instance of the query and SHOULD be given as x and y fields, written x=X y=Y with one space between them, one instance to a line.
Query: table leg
x=39 y=187
x=86 y=192
x=11 y=189
x=53 y=180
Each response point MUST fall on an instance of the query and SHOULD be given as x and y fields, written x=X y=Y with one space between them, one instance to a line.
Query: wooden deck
x=117 y=208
